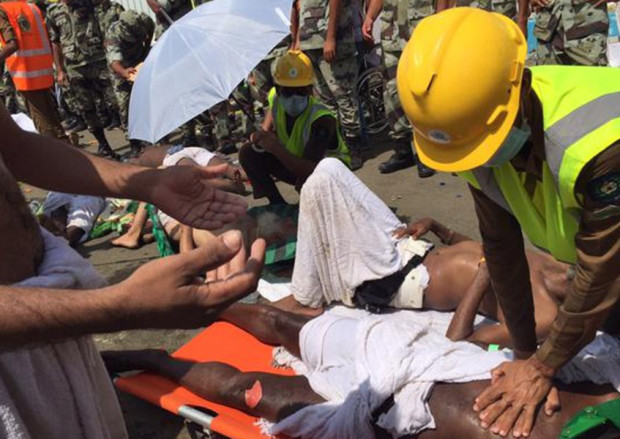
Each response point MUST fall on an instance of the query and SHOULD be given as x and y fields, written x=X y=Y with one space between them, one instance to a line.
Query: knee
x=324 y=172
x=246 y=155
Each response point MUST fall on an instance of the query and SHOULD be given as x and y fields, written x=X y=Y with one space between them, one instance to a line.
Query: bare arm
x=462 y=324
x=373 y=11
x=9 y=49
x=58 y=62
x=329 y=48
x=445 y=4
x=524 y=14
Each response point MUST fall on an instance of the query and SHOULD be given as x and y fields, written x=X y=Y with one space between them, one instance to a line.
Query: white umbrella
x=199 y=61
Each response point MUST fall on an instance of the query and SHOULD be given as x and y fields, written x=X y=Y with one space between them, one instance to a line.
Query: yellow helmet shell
x=459 y=82
x=294 y=69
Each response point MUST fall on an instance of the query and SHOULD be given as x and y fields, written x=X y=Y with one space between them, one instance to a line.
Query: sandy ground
x=444 y=197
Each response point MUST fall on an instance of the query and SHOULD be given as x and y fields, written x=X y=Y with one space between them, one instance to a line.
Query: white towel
x=59 y=390
x=356 y=360
x=344 y=237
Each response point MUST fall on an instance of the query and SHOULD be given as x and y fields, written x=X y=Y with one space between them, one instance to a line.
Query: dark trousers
x=261 y=168
x=44 y=113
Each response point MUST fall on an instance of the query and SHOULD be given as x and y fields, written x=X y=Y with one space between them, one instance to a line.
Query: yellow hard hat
x=459 y=81
x=294 y=69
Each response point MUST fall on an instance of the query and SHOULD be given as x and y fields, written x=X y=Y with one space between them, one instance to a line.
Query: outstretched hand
x=416 y=229
x=171 y=292
x=184 y=193
x=517 y=389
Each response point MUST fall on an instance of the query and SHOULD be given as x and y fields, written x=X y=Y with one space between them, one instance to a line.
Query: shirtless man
x=280 y=396
x=44 y=343
x=457 y=278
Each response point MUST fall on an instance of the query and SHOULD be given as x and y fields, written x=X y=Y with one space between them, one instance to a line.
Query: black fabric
x=385 y=406
x=375 y=295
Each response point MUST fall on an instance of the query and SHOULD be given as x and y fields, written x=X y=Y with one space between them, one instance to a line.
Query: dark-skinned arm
x=329 y=48
x=524 y=14
x=442 y=5
x=9 y=49
x=462 y=323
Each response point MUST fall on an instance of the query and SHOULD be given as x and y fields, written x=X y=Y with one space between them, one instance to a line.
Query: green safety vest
x=296 y=141
x=581 y=118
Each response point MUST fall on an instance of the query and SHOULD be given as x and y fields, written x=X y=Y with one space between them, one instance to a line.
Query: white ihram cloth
x=356 y=360
x=82 y=210
x=200 y=155
x=344 y=237
x=59 y=390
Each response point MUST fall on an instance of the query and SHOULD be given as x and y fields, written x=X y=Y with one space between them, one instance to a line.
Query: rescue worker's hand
x=416 y=229
x=329 y=50
x=266 y=140
x=367 y=30
x=517 y=389
x=185 y=193
x=61 y=78
x=169 y=293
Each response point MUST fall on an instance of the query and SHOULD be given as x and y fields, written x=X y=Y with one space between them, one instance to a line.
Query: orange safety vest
x=31 y=67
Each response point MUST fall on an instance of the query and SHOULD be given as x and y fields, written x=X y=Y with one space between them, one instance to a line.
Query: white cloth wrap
x=200 y=155
x=356 y=360
x=82 y=210
x=59 y=390
x=344 y=237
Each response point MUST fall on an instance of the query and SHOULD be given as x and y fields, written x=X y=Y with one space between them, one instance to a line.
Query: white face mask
x=511 y=146
x=294 y=105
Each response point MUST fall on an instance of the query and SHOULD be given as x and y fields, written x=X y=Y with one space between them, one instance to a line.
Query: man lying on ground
x=376 y=371
x=352 y=249
x=231 y=181
x=70 y=216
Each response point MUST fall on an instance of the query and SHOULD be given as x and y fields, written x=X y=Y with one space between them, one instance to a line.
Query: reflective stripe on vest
x=581 y=118
x=31 y=66
x=296 y=142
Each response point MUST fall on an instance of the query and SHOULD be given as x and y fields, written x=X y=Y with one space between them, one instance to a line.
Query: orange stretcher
x=220 y=342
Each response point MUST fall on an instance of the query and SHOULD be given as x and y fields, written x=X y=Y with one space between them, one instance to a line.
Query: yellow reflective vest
x=581 y=118
x=296 y=141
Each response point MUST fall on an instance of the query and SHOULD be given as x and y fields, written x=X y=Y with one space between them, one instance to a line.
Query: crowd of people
x=536 y=136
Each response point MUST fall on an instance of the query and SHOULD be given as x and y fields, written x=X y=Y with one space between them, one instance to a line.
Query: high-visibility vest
x=31 y=67
x=296 y=141
x=581 y=118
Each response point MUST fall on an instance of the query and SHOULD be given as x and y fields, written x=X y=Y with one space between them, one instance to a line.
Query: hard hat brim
x=476 y=153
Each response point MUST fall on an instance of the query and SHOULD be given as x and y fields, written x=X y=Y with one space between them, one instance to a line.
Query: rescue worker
x=128 y=42
x=398 y=20
x=540 y=148
x=28 y=56
x=305 y=132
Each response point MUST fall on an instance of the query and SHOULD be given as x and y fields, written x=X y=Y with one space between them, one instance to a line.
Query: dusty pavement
x=444 y=197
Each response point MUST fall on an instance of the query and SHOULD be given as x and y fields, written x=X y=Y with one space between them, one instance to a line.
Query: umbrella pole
x=166 y=16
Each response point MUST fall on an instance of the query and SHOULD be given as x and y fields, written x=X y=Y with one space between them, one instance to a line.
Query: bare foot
x=126 y=241
x=125 y=361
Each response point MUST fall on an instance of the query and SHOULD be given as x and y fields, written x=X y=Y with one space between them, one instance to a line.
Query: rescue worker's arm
x=374 y=9
x=505 y=255
x=329 y=48
x=596 y=286
x=8 y=36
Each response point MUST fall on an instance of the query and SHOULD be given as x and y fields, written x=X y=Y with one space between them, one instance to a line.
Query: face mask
x=294 y=105
x=511 y=146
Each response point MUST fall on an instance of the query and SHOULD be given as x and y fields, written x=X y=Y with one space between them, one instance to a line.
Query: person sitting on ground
x=70 y=216
x=305 y=131
x=373 y=262
x=232 y=181
x=363 y=403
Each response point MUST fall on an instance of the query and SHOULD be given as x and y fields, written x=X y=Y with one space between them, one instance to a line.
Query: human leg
x=260 y=168
x=131 y=239
x=274 y=397
x=44 y=113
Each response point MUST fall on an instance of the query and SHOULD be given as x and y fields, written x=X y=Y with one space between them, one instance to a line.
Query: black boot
x=424 y=171
x=401 y=159
x=104 y=149
x=355 y=148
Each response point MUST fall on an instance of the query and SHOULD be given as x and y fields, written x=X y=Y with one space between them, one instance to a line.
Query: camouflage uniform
x=571 y=32
x=107 y=13
x=263 y=72
x=77 y=31
x=175 y=10
x=128 y=41
x=506 y=7
x=396 y=29
x=336 y=83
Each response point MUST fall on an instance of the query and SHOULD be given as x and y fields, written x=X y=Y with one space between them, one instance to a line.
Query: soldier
x=325 y=33
x=261 y=78
x=128 y=41
x=572 y=32
x=504 y=7
x=77 y=42
x=396 y=28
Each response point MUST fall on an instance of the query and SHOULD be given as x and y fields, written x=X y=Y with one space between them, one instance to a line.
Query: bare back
x=22 y=245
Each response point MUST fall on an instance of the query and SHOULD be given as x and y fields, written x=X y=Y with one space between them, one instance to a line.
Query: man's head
x=460 y=81
x=294 y=78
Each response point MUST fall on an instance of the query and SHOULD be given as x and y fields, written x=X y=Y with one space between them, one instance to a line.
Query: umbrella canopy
x=200 y=60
